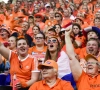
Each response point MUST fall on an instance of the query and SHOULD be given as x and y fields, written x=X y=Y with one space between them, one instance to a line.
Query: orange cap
x=49 y=63
x=39 y=14
x=90 y=56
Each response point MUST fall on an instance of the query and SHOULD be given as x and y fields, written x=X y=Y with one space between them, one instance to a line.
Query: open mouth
x=2 y=34
x=90 y=67
x=22 y=49
x=51 y=46
x=91 y=50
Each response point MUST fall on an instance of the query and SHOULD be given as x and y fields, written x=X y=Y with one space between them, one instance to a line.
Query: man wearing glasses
x=84 y=81
x=51 y=81
x=39 y=50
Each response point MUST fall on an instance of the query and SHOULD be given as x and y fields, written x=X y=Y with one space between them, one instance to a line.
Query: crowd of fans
x=50 y=45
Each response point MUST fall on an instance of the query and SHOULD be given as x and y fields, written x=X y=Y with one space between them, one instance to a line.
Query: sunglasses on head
x=53 y=41
x=38 y=37
x=48 y=7
x=91 y=63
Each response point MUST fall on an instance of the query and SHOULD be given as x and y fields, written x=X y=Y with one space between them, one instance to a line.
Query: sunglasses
x=48 y=7
x=91 y=63
x=3 y=30
x=38 y=37
x=57 y=16
x=53 y=41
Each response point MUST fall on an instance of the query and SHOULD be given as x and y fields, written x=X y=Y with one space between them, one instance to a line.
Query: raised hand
x=68 y=31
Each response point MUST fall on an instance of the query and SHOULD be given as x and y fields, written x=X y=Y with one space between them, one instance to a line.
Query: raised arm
x=5 y=52
x=74 y=63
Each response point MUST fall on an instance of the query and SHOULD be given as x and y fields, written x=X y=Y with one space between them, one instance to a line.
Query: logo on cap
x=48 y=62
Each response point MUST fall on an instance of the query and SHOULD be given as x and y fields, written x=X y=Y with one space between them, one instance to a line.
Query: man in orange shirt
x=66 y=18
x=22 y=65
x=85 y=81
x=49 y=72
x=39 y=50
x=23 y=32
x=52 y=21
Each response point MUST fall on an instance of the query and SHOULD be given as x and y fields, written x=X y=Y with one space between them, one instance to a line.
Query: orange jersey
x=22 y=68
x=82 y=39
x=30 y=32
x=76 y=50
x=40 y=55
x=51 y=22
x=60 y=85
x=86 y=82
x=41 y=25
x=1 y=18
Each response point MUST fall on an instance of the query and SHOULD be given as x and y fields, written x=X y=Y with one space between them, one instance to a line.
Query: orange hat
x=49 y=63
x=5 y=28
x=90 y=56
x=38 y=14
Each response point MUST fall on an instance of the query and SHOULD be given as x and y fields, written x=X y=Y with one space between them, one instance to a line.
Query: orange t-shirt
x=77 y=1
x=22 y=68
x=40 y=55
x=86 y=82
x=60 y=85
x=41 y=25
x=30 y=32
x=51 y=23
x=83 y=53
x=1 y=18
x=82 y=39
x=76 y=50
